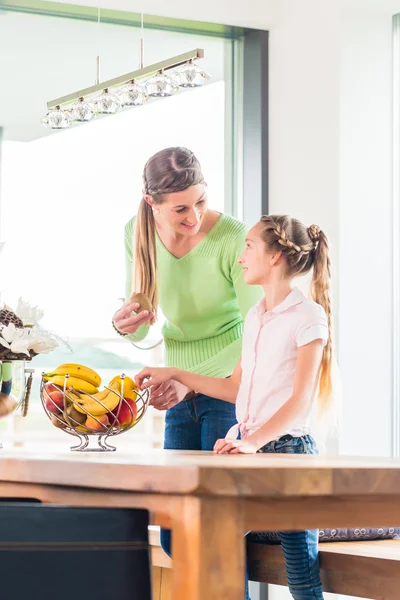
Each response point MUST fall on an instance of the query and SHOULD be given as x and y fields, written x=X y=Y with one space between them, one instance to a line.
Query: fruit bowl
x=78 y=408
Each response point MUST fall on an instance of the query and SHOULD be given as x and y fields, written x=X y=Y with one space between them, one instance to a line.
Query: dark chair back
x=56 y=552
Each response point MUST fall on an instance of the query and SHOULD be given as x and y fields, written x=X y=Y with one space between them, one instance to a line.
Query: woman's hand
x=165 y=392
x=225 y=446
x=168 y=394
x=126 y=322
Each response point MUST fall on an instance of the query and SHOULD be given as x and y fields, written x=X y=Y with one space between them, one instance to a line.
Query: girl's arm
x=305 y=385
x=216 y=387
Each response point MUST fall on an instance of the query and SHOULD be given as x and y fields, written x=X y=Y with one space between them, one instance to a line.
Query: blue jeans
x=299 y=547
x=195 y=425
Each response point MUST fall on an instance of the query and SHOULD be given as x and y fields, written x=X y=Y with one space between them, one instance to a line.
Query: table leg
x=208 y=550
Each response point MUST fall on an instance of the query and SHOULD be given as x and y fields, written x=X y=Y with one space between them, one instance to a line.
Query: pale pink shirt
x=269 y=352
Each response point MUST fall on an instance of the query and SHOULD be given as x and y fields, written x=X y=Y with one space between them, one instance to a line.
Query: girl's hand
x=225 y=446
x=165 y=392
x=126 y=321
x=155 y=377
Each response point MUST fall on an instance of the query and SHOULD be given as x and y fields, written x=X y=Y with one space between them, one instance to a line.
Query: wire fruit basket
x=93 y=417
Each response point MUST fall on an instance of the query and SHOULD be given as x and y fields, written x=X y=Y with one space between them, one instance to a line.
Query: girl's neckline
x=199 y=244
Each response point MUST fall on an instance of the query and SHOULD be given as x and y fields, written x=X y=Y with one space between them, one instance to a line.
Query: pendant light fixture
x=133 y=89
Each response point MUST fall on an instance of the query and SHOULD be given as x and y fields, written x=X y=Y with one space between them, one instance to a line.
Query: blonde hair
x=306 y=248
x=170 y=170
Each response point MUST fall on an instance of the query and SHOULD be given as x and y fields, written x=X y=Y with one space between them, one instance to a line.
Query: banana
x=78 y=371
x=130 y=387
x=82 y=428
x=74 y=382
x=110 y=399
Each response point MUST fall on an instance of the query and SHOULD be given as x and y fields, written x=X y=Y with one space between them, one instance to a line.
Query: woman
x=184 y=256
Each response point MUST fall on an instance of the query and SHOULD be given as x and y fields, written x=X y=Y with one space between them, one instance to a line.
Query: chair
x=49 y=552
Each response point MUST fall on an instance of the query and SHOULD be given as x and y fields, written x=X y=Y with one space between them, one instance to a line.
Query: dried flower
x=14 y=339
x=29 y=315
x=23 y=340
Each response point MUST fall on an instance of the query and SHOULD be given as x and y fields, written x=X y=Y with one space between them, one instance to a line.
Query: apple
x=50 y=387
x=127 y=413
x=54 y=401
x=93 y=423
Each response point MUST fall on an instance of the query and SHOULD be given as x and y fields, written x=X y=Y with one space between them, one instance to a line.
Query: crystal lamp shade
x=107 y=103
x=81 y=111
x=135 y=88
x=190 y=75
x=57 y=119
x=133 y=94
x=161 y=86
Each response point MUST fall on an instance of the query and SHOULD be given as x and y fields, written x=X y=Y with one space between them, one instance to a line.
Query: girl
x=286 y=363
x=184 y=256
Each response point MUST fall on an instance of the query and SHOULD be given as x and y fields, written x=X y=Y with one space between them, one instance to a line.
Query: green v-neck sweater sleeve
x=203 y=298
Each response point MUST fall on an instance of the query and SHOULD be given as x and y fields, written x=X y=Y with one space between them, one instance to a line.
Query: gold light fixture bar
x=165 y=65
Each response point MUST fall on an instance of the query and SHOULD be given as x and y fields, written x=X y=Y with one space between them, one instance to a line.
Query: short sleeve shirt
x=269 y=351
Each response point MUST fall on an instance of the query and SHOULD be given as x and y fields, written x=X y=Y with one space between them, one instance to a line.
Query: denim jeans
x=195 y=425
x=299 y=547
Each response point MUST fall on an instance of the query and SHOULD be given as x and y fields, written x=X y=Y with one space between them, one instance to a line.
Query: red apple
x=127 y=413
x=54 y=401
x=98 y=423
x=49 y=387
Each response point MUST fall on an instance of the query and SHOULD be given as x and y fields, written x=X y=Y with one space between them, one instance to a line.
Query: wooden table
x=211 y=501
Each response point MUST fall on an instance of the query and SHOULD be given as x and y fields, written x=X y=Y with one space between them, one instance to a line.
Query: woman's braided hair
x=305 y=248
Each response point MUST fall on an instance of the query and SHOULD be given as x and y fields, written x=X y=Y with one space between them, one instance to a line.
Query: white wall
x=365 y=227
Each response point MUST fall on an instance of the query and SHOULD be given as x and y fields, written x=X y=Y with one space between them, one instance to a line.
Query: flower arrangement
x=21 y=336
